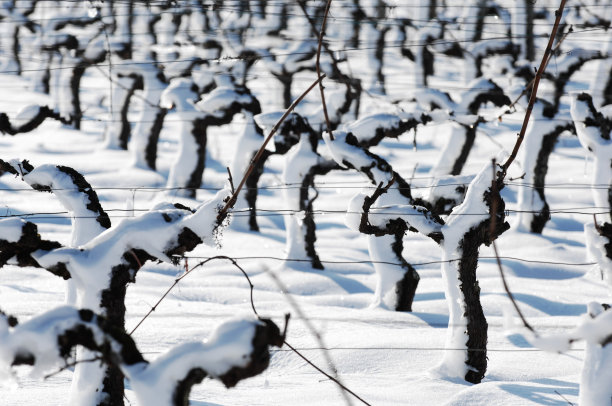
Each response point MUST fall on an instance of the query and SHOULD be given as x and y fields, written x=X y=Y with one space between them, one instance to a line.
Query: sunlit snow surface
x=382 y=355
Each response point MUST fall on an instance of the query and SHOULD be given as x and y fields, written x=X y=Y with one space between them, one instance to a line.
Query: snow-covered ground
x=386 y=357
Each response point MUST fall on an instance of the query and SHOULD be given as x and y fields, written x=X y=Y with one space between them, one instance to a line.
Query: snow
x=37 y=337
x=180 y=96
x=382 y=355
x=528 y=198
x=299 y=159
x=449 y=154
x=593 y=140
x=229 y=346
x=26 y=113
x=388 y=275
x=365 y=127
x=85 y=224
x=449 y=187
x=457 y=225
x=596 y=248
x=10 y=229
x=153 y=88
x=219 y=99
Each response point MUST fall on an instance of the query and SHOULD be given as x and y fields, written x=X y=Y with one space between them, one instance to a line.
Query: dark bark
x=306 y=205
x=151 y=147
x=607 y=91
x=288 y=135
x=605 y=230
x=470 y=137
x=286 y=76
x=71 y=44
x=15 y=50
x=561 y=80
x=357 y=15
x=126 y=47
x=405 y=289
x=541 y=169
x=266 y=335
x=28 y=243
x=286 y=80
x=84 y=187
x=480 y=17
x=284 y=17
x=113 y=298
x=117 y=348
x=379 y=54
x=199 y=132
x=200 y=127
x=509 y=48
x=427 y=58
x=603 y=124
x=10 y=320
x=76 y=22
x=126 y=128
x=112 y=302
x=394 y=132
x=468 y=283
x=432 y=10
x=75 y=84
x=476 y=322
x=444 y=204
x=380 y=164
x=78 y=181
x=113 y=305
x=44 y=112
x=495 y=96
x=529 y=46
x=252 y=191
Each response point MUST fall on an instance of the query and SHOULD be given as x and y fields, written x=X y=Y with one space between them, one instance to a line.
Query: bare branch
x=318 y=66
x=531 y=82
x=187 y=272
x=232 y=200
x=334 y=377
x=499 y=264
x=536 y=83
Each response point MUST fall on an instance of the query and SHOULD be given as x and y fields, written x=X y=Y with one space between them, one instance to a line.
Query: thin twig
x=231 y=181
x=335 y=378
x=110 y=78
x=564 y=398
x=318 y=67
x=133 y=253
x=518 y=177
x=232 y=201
x=70 y=365
x=110 y=71
x=325 y=373
x=411 y=180
x=530 y=84
x=180 y=278
x=347 y=79
x=534 y=91
x=492 y=224
x=596 y=225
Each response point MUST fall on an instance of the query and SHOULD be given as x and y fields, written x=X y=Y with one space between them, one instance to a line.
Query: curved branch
x=73 y=191
x=33 y=116
x=20 y=239
x=235 y=351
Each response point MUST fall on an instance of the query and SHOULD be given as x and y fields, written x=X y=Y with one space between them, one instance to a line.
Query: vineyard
x=270 y=202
